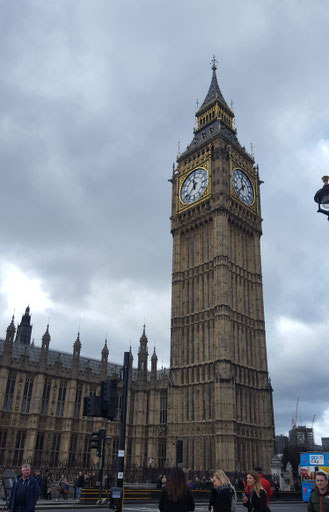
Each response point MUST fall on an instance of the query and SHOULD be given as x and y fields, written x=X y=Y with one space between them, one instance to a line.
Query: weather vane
x=214 y=63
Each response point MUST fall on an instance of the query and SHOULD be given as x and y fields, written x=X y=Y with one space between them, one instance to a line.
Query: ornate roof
x=214 y=93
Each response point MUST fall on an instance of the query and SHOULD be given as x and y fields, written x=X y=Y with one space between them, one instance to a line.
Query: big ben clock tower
x=220 y=396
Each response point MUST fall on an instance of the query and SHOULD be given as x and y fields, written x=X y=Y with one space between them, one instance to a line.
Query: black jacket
x=80 y=481
x=318 y=501
x=185 y=504
x=255 y=503
x=32 y=494
x=221 y=498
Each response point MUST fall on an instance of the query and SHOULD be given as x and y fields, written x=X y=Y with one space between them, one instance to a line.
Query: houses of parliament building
x=216 y=397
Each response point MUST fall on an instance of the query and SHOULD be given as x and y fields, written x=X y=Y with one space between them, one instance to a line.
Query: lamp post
x=322 y=197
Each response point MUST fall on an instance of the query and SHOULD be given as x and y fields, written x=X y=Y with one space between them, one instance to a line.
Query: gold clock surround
x=252 y=177
x=184 y=172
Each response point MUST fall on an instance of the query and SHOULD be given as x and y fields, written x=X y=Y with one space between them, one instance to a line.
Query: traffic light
x=109 y=399
x=92 y=406
x=179 y=451
x=96 y=442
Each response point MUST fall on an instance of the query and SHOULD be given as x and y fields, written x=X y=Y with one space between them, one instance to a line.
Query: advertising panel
x=310 y=462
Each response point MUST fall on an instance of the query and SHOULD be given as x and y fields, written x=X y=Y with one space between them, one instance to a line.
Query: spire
x=131 y=360
x=154 y=365
x=77 y=346
x=214 y=117
x=154 y=356
x=104 y=360
x=105 y=351
x=143 y=342
x=24 y=329
x=214 y=93
x=45 y=340
x=10 y=333
x=142 y=355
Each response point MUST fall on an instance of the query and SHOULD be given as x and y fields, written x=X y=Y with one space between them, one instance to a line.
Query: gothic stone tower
x=220 y=396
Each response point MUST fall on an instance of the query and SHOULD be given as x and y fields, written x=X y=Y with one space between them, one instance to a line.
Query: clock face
x=242 y=186
x=194 y=186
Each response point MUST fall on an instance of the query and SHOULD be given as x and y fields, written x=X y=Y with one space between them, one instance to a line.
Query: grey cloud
x=93 y=102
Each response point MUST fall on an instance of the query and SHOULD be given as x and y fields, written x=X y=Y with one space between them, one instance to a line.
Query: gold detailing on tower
x=203 y=163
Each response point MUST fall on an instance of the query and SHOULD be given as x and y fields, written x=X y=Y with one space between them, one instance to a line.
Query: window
x=39 y=448
x=131 y=408
x=73 y=449
x=129 y=454
x=147 y=409
x=19 y=448
x=61 y=399
x=26 y=402
x=119 y=407
x=163 y=407
x=77 y=403
x=55 y=450
x=45 y=397
x=3 y=438
x=114 y=448
x=162 y=452
x=9 y=393
x=86 y=452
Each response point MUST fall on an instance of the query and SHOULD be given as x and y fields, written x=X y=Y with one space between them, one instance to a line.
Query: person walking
x=80 y=483
x=62 y=488
x=24 y=493
x=319 y=497
x=264 y=483
x=223 y=496
x=255 y=501
x=176 y=496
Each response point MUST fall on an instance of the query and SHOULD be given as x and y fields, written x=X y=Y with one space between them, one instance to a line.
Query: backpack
x=233 y=501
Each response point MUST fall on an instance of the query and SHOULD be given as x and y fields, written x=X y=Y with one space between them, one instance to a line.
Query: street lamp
x=322 y=197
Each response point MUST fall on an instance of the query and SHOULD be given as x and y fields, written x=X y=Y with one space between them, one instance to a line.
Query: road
x=153 y=507
x=203 y=507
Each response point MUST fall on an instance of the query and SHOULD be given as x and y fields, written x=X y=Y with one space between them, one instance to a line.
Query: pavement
x=71 y=503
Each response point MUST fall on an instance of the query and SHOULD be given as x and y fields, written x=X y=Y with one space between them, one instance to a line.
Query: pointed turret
x=214 y=93
x=8 y=346
x=154 y=364
x=77 y=347
x=24 y=329
x=45 y=341
x=131 y=361
x=142 y=356
x=214 y=117
x=10 y=333
x=214 y=106
x=104 y=360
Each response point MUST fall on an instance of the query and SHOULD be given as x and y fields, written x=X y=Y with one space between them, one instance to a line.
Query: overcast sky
x=94 y=97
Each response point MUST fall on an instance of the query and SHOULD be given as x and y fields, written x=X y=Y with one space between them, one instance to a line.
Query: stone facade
x=41 y=400
x=220 y=398
x=216 y=397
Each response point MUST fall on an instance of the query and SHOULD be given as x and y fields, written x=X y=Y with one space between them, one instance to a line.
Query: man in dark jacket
x=80 y=484
x=24 y=493
x=319 y=498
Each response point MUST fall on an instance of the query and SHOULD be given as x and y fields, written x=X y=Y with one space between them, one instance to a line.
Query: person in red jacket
x=265 y=484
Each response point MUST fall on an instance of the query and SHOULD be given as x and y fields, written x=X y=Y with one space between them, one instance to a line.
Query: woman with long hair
x=176 y=496
x=255 y=501
x=222 y=493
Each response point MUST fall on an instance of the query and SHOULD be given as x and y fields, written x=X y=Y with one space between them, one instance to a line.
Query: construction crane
x=314 y=415
x=294 y=419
